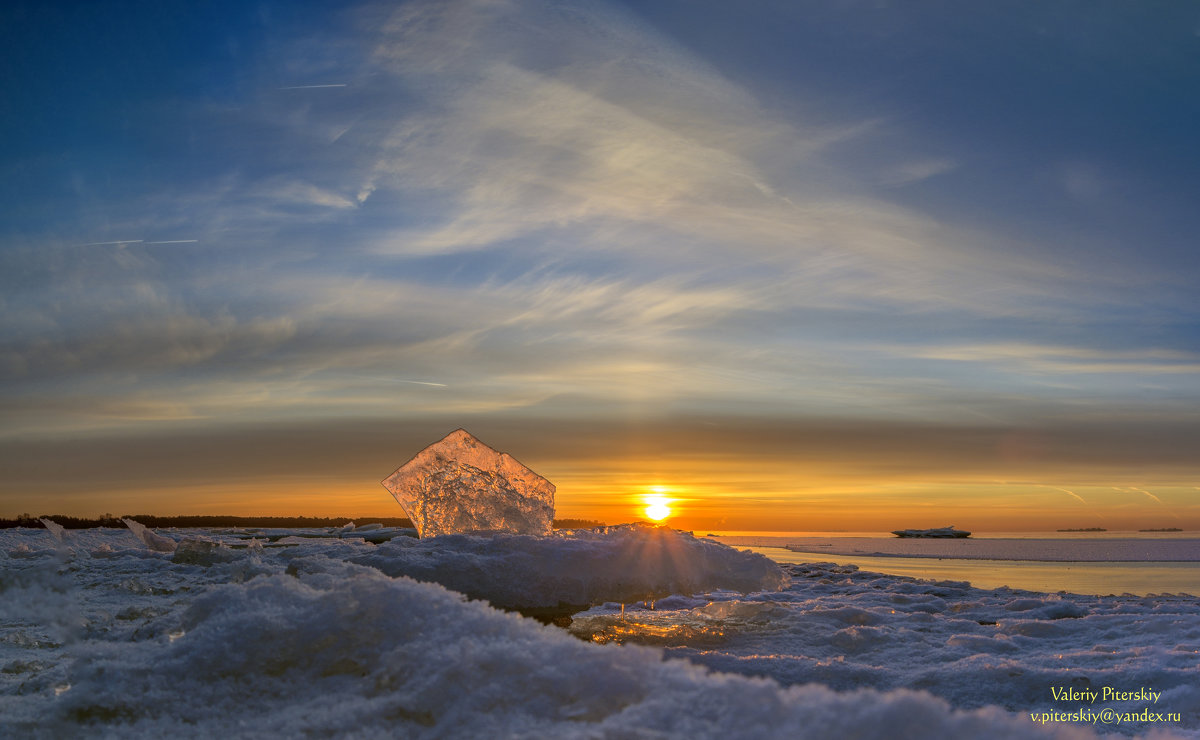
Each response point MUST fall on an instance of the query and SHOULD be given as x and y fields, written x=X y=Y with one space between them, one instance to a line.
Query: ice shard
x=56 y=530
x=155 y=542
x=459 y=485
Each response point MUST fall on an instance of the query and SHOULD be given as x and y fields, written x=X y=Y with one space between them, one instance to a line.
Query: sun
x=657 y=508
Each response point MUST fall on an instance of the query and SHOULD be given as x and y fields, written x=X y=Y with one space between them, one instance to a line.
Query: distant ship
x=940 y=533
x=1085 y=529
x=1166 y=529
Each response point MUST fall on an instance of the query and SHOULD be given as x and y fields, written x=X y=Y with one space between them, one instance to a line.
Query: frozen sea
x=345 y=633
x=1098 y=563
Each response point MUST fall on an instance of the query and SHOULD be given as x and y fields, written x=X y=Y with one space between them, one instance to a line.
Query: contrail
x=397 y=380
x=123 y=242
x=1151 y=495
x=1132 y=489
x=1071 y=493
x=311 y=87
x=1056 y=488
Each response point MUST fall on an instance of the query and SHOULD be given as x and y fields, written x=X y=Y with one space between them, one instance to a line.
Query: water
x=1172 y=564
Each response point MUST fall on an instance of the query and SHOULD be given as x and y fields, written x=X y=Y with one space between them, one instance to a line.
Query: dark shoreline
x=209 y=522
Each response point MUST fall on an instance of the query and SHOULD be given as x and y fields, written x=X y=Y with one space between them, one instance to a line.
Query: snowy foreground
x=313 y=632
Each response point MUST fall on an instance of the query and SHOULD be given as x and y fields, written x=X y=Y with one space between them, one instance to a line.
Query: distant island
x=1164 y=529
x=1085 y=529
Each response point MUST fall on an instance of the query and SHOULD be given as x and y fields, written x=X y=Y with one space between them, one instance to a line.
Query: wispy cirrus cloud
x=1068 y=360
x=916 y=171
x=286 y=192
x=615 y=140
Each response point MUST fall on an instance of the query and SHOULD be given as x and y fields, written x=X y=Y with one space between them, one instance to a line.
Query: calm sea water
x=1100 y=578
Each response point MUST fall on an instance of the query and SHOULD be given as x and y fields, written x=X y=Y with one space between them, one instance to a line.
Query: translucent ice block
x=461 y=485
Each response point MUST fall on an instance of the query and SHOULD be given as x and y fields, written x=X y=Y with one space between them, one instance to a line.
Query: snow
x=318 y=638
x=576 y=568
x=459 y=484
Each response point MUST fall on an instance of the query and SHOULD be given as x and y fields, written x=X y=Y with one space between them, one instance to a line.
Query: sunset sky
x=794 y=265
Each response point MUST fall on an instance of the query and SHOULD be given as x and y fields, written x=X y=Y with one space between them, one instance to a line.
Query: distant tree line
x=207 y=522
x=210 y=522
x=576 y=523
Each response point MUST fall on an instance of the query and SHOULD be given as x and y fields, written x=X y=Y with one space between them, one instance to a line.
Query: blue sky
x=793 y=222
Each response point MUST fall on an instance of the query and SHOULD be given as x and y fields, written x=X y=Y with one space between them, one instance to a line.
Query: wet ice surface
x=846 y=629
x=1052 y=549
x=302 y=632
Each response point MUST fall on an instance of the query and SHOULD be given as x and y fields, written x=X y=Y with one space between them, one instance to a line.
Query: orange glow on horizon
x=711 y=494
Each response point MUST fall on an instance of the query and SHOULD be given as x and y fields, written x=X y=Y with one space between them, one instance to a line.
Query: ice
x=363 y=655
x=155 y=542
x=56 y=530
x=459 y=485
x=1108 y=550
x=576 y=568
x=846 y=628
x=331 y=639
x=201 y=551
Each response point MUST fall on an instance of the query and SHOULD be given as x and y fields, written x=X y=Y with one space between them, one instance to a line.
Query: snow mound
x=459 y=484
x=364 y=655
x=630 y=562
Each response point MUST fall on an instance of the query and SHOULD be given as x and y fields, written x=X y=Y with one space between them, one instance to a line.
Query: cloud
x=1134 y=489
x=916 y=171
x=299 y=193
x=611 y=139
x=531 y=202
x=1068 y=359
x=1070 y=493
x=145 y=345
x=772 y=458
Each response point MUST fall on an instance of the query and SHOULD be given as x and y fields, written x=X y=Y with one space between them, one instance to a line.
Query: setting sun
x=657 y=508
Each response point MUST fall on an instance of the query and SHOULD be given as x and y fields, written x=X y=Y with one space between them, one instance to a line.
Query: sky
x=791 y=265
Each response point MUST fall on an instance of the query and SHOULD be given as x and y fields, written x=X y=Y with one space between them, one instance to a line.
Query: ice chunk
x=626 y=563
x=155 y=542
x=200 y=551
x=461 y=485
x=56 y=530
